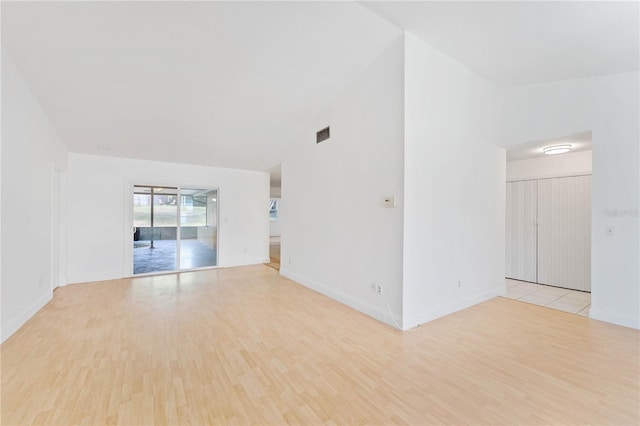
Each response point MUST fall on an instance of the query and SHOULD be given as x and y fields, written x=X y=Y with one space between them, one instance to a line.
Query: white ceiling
x=229 y=84
x=215 y=83
x=578 y=141
x=516 y=42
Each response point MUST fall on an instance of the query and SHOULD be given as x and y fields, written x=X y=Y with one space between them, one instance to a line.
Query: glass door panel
x=155 y=221
x=198 y=228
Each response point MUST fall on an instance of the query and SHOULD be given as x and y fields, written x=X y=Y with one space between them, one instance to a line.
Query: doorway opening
x=548 y=223
x=55 y=228
x=275 y=235
x=174 y=229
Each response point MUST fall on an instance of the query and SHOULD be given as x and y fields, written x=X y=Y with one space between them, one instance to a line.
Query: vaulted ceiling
x=229 y=84
x=513 y=43
x=215 y=83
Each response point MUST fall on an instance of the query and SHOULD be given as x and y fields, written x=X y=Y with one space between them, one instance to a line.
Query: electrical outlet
x=459 y=283
x=379 y=290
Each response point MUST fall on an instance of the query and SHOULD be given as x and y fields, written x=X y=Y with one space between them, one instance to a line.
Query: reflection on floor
x=274 y=252
x=575 y=302
x=193 y=254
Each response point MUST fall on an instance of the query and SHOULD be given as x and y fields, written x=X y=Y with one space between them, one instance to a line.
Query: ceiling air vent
x=322 y=135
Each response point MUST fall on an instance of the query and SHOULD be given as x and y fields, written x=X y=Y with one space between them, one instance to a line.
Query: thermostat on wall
x=389 y=201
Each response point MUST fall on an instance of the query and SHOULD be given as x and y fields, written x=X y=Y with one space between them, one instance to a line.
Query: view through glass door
x=198 y=228
x=174 y=228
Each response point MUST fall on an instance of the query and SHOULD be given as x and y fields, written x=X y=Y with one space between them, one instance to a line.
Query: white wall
x=454 y=217
x=337 y=237
x=1 y=116
x=550 y=166
x=99 y=212
x=30 y=150
x=608 y=106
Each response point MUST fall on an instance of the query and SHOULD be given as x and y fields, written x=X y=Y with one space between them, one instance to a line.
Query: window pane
x=141 y=210
x=193 y=210
x=155 y=211
x=198 y=228
x=165 y=210
x=273 y=210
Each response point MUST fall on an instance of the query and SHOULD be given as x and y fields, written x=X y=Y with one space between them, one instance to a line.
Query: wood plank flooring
x=246 y=346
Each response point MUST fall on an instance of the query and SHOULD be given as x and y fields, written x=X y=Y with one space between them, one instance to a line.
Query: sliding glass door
x=174 y=228
x=198 y=228
x=155 y=220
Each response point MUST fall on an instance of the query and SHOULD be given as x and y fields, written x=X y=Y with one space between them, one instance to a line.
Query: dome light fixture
x=556 y=149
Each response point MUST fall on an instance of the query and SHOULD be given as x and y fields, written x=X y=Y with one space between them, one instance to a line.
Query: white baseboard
x=624 y=321
x=381 y=314
x=243 y=261
x=458 y=305
x=14 y=324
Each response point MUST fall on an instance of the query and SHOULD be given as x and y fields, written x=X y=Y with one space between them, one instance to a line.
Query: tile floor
x=575 y=302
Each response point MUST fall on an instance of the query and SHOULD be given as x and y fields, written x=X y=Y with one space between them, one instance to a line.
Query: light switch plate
x=389 y=201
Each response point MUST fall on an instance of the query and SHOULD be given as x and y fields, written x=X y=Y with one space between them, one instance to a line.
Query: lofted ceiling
x=513 y=43
x=229 y=84
x=216 y=83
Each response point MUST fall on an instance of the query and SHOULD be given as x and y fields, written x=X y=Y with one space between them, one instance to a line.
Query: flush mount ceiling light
x=556 y=149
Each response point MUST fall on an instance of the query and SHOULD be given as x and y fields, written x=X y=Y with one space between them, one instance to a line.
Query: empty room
x=311 y=213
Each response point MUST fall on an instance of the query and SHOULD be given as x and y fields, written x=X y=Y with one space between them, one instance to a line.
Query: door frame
x=127 y=263
x=56 y=228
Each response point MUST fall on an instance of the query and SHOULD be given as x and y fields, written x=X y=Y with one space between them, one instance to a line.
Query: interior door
x=55 y=229
x=564 y=234
x=521 y=236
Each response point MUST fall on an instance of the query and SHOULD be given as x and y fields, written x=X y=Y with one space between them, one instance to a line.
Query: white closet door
x=564 y=232
x=521 y=230
x=582 y=229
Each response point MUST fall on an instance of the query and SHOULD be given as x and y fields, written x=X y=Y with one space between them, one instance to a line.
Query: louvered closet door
x=564 y=232
x=521 y=230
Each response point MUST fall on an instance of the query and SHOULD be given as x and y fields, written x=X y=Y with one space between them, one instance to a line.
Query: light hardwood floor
x=245 y=346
